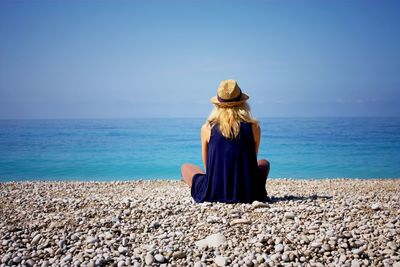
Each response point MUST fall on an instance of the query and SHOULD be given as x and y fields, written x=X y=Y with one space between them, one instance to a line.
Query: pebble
x=36 y=239
x=6 y=258
x=17 y=259
x=220 y=261
x=240 y=221
x=61 y=244
x=179 y=255
x=66 y=258
x=149 y=259
x=342 y=258
x=359 y=250
x=392 y=245
x=375 y=206
x=355 y=263
x=122 y=249
x=214 y=240
x=91 y=239
x=316 y=244
x=279 y=248
x=290 y=215
x=108 y=236
x=257 y=204
x=159 y=258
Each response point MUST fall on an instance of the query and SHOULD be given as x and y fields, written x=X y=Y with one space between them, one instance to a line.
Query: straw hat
x=229 y=94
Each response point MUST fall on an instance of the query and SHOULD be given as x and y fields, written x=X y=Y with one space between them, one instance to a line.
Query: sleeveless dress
x=232 y=174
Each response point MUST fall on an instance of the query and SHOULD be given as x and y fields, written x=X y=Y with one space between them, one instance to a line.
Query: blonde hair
x=229 y=119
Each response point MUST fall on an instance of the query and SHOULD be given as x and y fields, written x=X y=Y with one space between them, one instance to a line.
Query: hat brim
x=243 y=99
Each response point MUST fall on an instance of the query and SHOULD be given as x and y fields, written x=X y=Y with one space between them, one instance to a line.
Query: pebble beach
x=327 y=222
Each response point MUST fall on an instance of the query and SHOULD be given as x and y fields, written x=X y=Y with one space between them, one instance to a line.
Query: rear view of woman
x=230 y=139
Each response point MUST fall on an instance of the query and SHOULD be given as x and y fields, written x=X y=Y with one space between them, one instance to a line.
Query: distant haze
x=106 y=59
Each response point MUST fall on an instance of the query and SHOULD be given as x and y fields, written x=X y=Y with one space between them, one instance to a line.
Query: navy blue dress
x=232 y=174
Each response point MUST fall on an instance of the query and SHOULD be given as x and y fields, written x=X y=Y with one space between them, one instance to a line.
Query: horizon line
x=194 y=117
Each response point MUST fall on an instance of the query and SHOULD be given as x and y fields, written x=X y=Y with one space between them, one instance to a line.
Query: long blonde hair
x=229 y=119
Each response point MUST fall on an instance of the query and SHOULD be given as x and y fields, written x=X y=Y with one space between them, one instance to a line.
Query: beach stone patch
x=330 y=222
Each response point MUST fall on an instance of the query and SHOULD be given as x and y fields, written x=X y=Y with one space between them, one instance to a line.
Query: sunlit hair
x=229 y=119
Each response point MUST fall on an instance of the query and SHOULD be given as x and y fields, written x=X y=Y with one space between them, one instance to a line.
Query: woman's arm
x=257 y=135
x=205 y=138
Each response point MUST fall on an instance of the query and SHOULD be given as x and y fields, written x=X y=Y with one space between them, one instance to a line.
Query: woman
x=229 y=139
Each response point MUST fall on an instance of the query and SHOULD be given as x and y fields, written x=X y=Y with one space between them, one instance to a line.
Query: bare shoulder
x=256 y=128
x=206 y=131
x=205 y=128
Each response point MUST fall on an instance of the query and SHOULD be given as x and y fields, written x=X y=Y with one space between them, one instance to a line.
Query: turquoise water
x=121 y=149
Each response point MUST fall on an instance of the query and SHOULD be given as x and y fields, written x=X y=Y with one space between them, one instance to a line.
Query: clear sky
x=106 y=59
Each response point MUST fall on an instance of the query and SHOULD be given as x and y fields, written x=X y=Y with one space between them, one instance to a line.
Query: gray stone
x=61 y=244
x=122 y=249
x=67 y=258
x=159 y=258
x=359 y=250
x=29 y=263
x=279 y=248
x=36 y=239
x=6 y=258
x=91 y=239
x=17 y=259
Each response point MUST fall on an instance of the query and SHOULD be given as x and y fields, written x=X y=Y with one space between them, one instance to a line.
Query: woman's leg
x=263 y=166
x=188 y=170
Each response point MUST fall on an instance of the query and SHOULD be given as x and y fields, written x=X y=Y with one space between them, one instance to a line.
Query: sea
x=131 y=149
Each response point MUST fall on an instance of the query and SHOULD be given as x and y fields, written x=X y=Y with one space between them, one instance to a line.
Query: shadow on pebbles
x=337 y=222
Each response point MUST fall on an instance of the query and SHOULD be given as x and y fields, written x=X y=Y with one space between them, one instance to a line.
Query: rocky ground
x=336 y=222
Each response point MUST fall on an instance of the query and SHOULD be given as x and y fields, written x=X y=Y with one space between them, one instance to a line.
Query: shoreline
x=156 y=179
x=342 y=221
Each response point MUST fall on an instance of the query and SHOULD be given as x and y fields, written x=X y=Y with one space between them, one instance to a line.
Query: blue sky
x=106 y=59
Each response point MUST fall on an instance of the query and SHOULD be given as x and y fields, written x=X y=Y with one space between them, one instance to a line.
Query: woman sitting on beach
x=230 y=139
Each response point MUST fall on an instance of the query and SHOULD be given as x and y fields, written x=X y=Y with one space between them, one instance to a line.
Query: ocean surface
x=124 y=149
